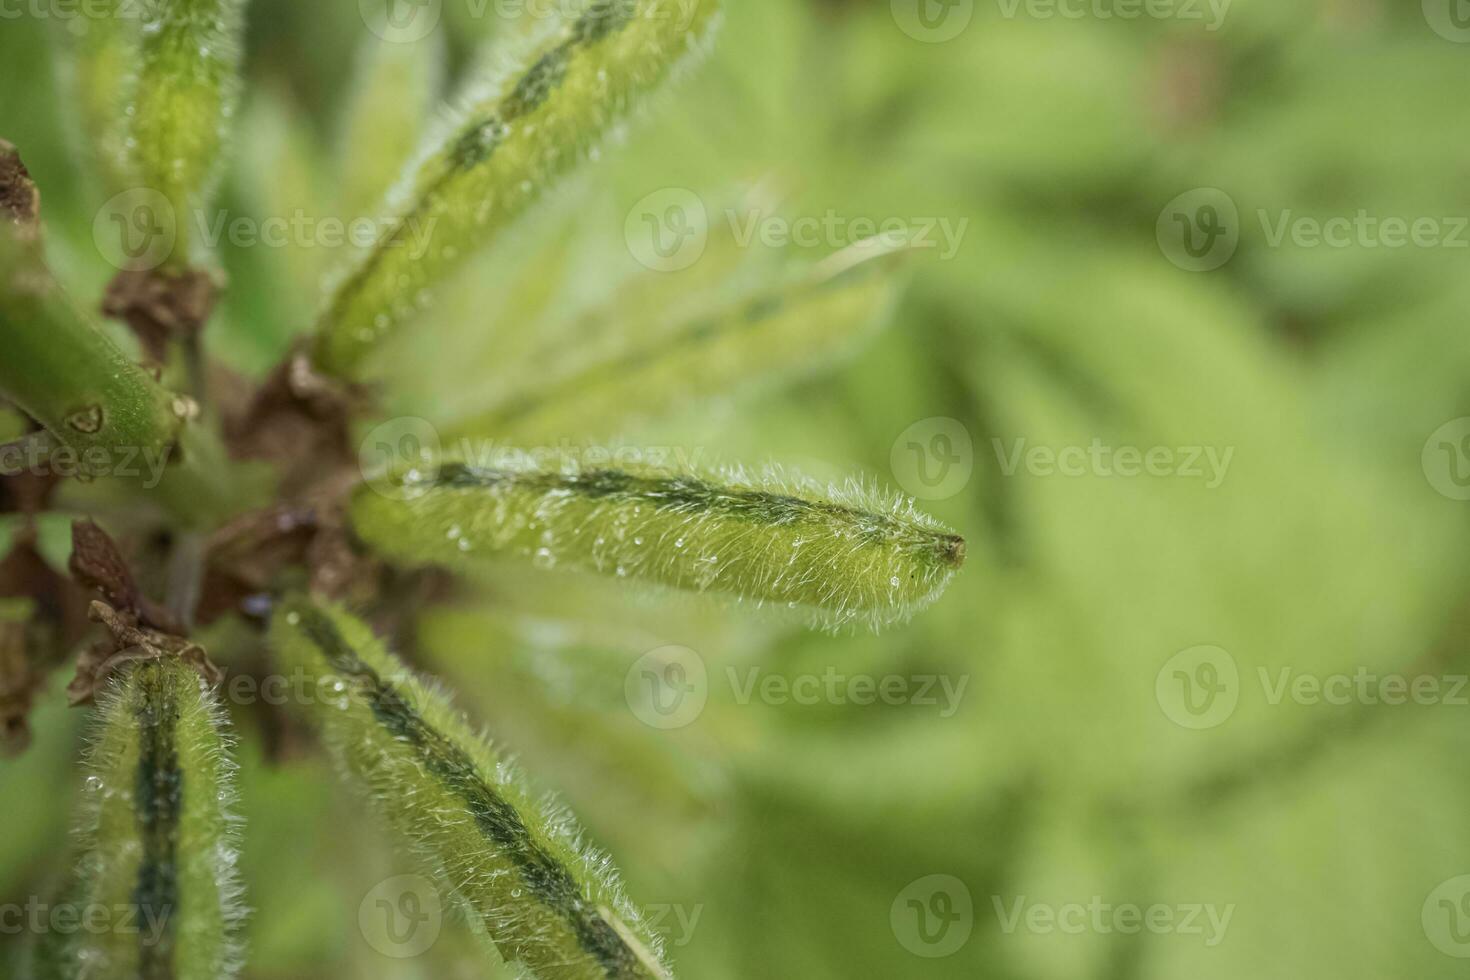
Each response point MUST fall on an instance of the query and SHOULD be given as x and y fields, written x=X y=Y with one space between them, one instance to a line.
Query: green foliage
x=837 y=555
x=627 y=374
x=397 y=85
x=159 y=835
x=515 y=865
x=518 y=131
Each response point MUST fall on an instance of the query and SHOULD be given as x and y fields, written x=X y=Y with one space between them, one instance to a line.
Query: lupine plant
x=267 y=510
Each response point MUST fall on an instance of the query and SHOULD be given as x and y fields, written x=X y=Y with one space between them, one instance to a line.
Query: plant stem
x=100 y=406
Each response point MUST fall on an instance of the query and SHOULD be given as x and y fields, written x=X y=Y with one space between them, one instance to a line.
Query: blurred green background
x=1137 y=780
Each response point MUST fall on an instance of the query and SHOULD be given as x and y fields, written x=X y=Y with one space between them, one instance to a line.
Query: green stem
x=104 y=409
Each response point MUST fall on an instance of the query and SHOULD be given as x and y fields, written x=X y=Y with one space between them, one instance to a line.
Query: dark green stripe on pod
x=507 y=860
x=838 y=554
x=159 y=842
x=518 y=133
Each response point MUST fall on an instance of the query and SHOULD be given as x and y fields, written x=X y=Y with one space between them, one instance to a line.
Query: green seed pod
x=840 y=556
x=396 y=86
x=512 y=863
x=158 y=837
x=762 y=340
x=96 y=49
x=523 y=129
x=182 y=98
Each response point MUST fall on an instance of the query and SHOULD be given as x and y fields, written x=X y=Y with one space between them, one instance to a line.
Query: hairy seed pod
x=158 y=836
x=546 y=114
x=763 y=339
x=839 y=555
x=183 y=96
x=512 y=863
